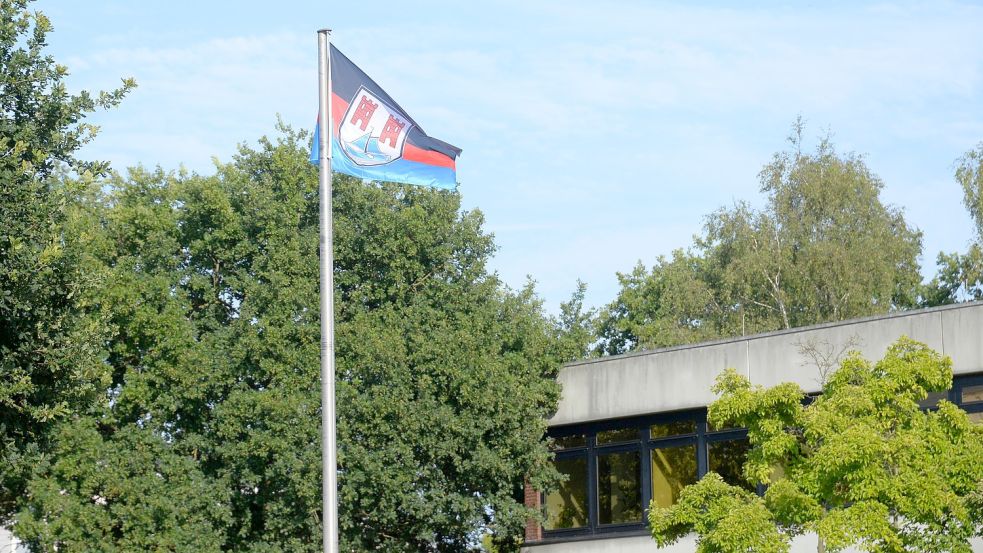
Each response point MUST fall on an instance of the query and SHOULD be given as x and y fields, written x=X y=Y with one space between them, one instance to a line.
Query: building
x=632 y=428
x=9 y=544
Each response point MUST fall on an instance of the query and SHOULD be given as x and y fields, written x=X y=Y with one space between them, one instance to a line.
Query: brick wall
x=534 y=532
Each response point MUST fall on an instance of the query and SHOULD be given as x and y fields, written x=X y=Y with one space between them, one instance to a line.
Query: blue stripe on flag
x=401 y=170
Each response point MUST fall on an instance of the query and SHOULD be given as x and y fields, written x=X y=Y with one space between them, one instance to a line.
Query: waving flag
x=373 y=138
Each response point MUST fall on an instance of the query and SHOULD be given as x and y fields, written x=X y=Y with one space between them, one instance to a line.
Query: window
x=726 y=458
x=615 y=436
x=566 y=507
x=619 y=487
x=932 y=400
x=577 y=440
x=616 y=469
x=972 y=394
x=673 y=468
x=967 y=392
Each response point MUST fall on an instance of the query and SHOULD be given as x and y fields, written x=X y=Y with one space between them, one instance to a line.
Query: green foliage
x=127 y=493
x=445 y=376
x=50 y=328
x=671 y=304
x=574 y=327
x=793 y=263
x=862 y=465
x=960 y=276
x=727 y=518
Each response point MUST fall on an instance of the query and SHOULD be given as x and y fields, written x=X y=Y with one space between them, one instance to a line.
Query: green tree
x=960 y=276
x=669 y=305
x=445 y=376
x=574 y=326
x=128 y=491
x=862 y=465
x=823 y=248
x=51 y=331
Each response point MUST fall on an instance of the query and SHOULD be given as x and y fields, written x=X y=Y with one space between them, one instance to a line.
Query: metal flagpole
x=329 y=460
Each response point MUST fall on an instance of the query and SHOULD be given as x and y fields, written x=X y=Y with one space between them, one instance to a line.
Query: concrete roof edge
x=762 y=335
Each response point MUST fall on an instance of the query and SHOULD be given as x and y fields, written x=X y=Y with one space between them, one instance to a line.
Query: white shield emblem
x=372 y=133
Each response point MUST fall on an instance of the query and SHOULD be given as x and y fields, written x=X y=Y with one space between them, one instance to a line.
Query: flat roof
x=679 y=377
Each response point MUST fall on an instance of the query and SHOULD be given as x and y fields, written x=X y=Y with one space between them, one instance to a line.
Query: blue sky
x=594 y=134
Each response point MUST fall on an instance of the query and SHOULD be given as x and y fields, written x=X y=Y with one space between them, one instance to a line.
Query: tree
x=960 y=276
x=51 y=331
x=122 y=492
x=574 y=327
x=824 y=248
x=445 y=376
x=671 y=304
x=862 y=465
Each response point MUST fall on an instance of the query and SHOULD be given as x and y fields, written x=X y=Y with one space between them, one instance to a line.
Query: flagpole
x=329 y=461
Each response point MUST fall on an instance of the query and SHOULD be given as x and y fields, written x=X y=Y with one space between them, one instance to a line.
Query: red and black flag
x=375 y=139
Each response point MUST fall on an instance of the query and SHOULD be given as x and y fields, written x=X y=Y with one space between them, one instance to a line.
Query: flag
x=373 y=138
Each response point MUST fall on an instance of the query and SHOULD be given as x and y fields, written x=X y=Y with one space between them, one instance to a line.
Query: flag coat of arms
x=373 y=138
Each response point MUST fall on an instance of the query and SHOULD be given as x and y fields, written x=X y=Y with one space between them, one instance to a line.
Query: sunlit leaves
x=862 y=465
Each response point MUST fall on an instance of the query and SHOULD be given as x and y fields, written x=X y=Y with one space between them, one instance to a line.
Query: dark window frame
x=644 y=445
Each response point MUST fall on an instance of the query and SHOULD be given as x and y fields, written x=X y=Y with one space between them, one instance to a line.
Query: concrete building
x=632 y=428
x=8 y=544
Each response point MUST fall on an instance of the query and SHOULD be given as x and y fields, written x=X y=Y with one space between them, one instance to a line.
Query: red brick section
x=534 y=532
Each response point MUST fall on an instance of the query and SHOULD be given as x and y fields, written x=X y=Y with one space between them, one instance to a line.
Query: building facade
x=632 y=428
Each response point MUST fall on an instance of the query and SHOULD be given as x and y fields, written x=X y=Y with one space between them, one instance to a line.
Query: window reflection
x=673 y=468
x=578 y=440
x=932 y=400
x=614 y=436
x=566 y=507
x=712 y=428
x=727 y=460
x=976 y=417
x=672 y=428
x=619 y=490
x=972 y=394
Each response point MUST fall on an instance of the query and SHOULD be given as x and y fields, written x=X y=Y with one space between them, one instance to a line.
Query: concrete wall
x=8 y=544
x=680 y=378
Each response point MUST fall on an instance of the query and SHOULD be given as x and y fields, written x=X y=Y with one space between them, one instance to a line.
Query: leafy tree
x=445 y=376
x=574 y=326
x=862 y=465
x=51 y=332
x=669 y=305
x=960 y=276
x=824 y=248
x=126 y=492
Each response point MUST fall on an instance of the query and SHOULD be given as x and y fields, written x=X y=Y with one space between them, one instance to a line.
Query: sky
x=595 y=134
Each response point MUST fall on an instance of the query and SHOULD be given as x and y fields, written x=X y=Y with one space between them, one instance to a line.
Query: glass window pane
x=712 y=428
x=578 y=440
x=727 y=460
x=619 y=489
x=566 y=507
x=614 y=436
x=976 y=417
x=932 y=401
x=672 y=428
x=972 y=394
x=673 y=468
